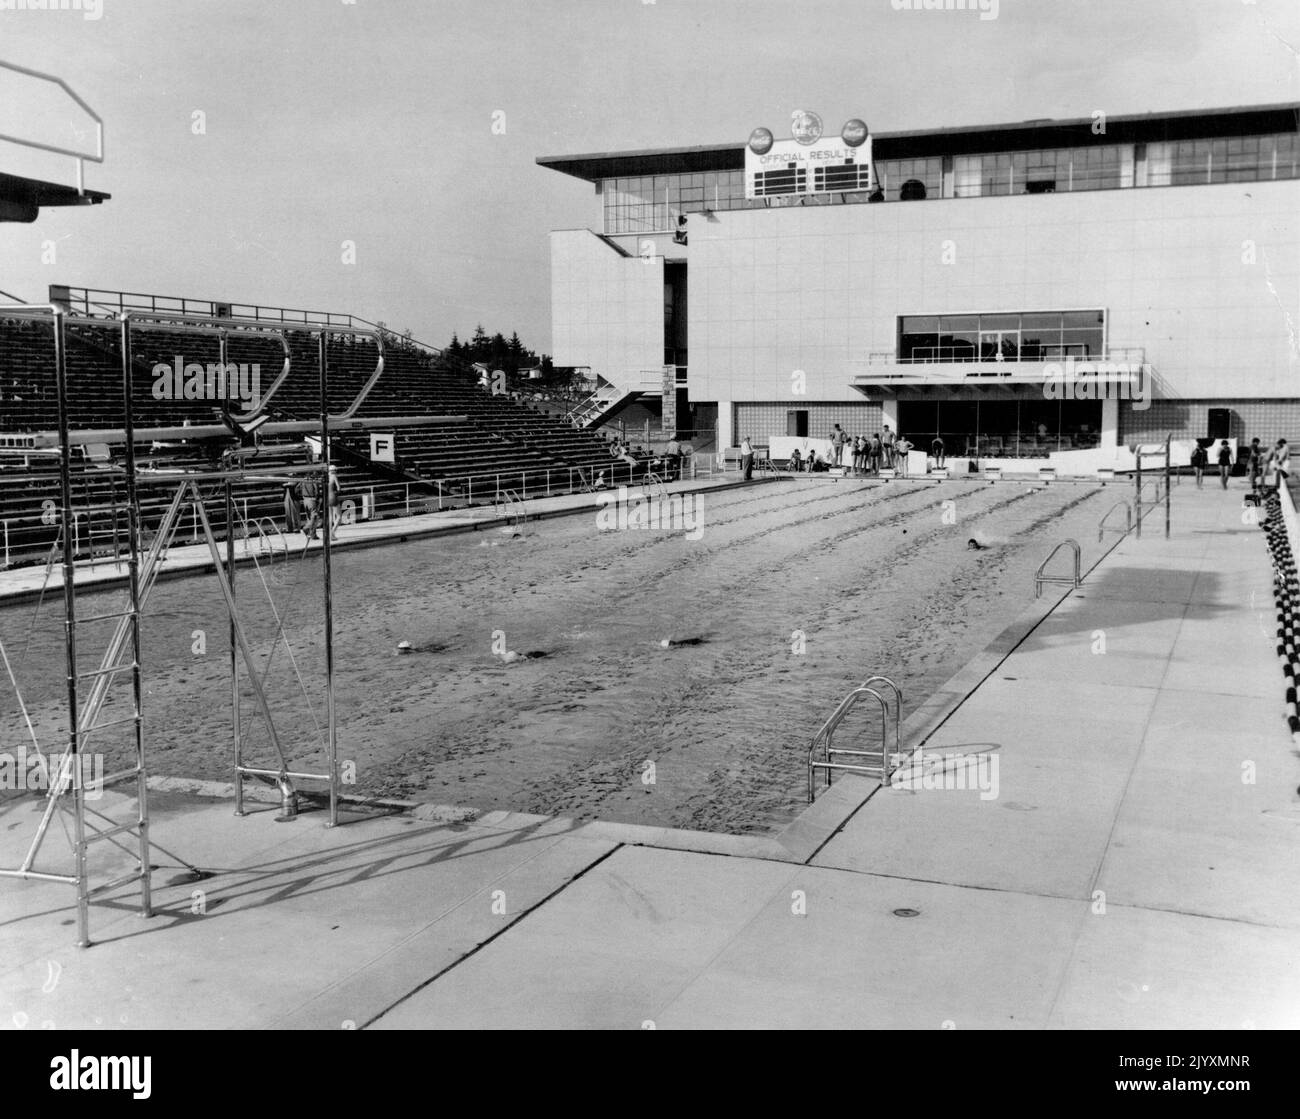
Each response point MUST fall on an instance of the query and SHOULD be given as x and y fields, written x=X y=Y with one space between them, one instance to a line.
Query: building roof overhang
x=1185 y=124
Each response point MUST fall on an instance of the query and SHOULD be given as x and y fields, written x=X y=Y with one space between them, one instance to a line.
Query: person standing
x=1280 y=458
x=747 y=458
x=1225 y=462
x=901 y=448
x=1255 y=463
x=309 y=495
x=875 y=453
x=335 y=495
x=838 y=438
x=887 y=442
x=1199 y=461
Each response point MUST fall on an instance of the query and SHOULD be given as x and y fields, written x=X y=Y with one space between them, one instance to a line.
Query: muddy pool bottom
x=664 y=676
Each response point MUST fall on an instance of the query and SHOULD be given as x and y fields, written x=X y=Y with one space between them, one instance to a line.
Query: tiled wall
x=761 y=421
x=1270 y=420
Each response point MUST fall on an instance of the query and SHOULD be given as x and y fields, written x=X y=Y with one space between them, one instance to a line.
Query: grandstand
x=372 y=381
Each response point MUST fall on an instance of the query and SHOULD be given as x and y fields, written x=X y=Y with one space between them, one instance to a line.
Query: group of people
x=867 y=454
x=303 y=508
x=1270 y=467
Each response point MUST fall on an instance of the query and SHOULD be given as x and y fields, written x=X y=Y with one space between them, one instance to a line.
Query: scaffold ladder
x=68 y=776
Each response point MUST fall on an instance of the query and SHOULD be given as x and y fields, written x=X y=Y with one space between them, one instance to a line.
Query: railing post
x=1137 y=503
x=408 y=499
x=1168 y=469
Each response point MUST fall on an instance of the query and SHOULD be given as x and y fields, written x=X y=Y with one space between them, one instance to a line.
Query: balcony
x=939 y=368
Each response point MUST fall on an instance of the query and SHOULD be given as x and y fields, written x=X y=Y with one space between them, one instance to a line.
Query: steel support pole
x=1168 y=472
x=73 y=759
x=133 y=577
x=326 y=578
x=1137 y=501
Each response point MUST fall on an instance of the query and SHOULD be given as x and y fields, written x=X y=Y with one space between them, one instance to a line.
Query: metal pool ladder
x=1102 y=528
x=881 y=767
x=1070 y=581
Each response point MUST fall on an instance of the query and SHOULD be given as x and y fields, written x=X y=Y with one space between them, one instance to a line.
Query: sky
x=249 y=142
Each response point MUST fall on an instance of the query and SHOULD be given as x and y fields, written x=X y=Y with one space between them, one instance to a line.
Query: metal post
x=329 y=602
x=133 y=576
x=236 y=737
x=70 y=635
x=1168 y=471
x=1137 y=501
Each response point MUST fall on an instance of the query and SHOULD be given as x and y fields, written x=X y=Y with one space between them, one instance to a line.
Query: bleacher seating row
x=527 y=450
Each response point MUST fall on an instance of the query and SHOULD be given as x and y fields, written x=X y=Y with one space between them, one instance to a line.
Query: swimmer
x=974 y=545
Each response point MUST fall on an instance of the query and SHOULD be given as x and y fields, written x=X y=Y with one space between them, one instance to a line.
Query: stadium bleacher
x=502 y=443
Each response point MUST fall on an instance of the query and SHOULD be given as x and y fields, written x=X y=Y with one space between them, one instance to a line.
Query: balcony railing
x=946 y=364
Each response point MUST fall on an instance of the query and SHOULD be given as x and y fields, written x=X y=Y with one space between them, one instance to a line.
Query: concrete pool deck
x=1135 y=869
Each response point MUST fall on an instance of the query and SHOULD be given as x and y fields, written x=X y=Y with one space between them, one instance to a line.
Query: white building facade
x=1023 y=292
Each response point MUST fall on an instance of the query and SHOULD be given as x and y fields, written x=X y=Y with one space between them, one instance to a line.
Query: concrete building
x=1048 y=291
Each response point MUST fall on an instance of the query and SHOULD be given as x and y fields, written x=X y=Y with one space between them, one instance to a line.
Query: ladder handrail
x=898 y=707
x=1128 y=517
x=1077 y=580
x=503 y=502
x=826 y=736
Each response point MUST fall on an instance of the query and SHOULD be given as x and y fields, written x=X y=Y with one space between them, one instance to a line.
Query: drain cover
x=907 y=913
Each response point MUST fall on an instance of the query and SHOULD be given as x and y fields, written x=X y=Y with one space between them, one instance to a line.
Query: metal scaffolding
x=87 y=691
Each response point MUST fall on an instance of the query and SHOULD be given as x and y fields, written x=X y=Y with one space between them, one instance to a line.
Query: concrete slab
x=1136 y=969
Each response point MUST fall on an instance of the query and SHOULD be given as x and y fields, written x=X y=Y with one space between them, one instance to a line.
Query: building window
x=1029 y=428
x=1018 y=336
x=897 y=176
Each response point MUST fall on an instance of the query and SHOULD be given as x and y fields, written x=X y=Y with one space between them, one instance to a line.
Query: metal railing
x=882 y=767
x=1075 y=580
x=57 y=149
x=1162 y=454
x=1102 y=527
x=961 y=355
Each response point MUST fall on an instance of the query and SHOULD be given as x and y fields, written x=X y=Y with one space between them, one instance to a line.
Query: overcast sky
x=325 y=121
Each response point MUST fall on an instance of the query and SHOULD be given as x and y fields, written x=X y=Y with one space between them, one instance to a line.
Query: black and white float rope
x=1286 y=592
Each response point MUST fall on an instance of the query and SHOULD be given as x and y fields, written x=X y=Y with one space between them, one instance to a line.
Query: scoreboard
x=808 y=163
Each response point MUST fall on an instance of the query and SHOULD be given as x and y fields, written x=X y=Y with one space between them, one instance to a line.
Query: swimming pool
x=789 y=595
